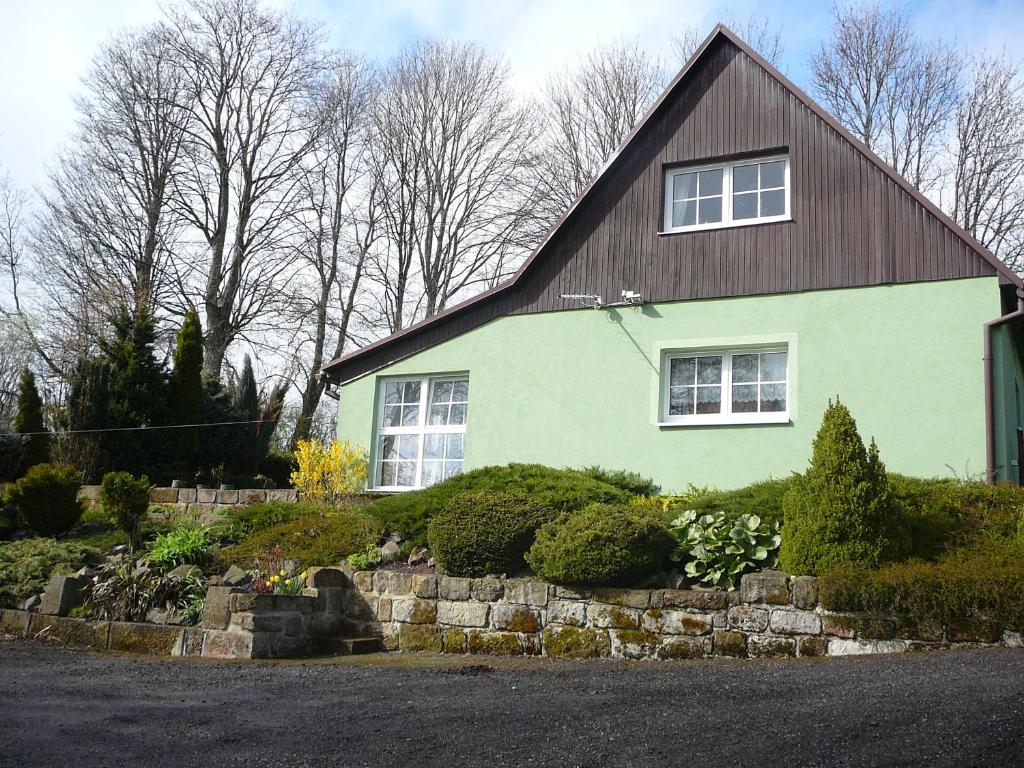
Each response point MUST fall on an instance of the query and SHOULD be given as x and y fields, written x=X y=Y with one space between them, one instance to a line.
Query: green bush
x=601 y=545
x=185 y=543
x=716 y=551
x=313 y=539
x=763 y=498
x=278 y=466
x=487 y=532
x=563 y=490
x=630 y=482
x=126 y=500
x=842 y=510
x=259 y=517
x=26 y=565
x=47 y=498
x=976 y=586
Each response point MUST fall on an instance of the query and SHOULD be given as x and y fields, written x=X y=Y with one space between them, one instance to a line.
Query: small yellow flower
x=282 y=573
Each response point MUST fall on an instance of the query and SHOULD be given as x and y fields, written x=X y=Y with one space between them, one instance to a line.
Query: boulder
x=390 y=551
x=62 y=594
x=419 y=556
x=184 y=571
x=235 y=577
x=30 y=603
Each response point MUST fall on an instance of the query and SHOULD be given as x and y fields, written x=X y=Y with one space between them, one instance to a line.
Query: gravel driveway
x=60 y=707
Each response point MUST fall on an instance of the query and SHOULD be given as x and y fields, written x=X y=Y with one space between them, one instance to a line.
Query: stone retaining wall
x=206 y=503
x=771 y=615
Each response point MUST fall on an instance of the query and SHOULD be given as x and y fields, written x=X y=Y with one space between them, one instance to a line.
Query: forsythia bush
x=326 y=473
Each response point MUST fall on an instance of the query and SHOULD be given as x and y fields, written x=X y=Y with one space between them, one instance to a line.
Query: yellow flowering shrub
x=327 y=473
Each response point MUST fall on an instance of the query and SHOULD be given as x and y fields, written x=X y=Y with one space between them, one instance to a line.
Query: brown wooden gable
x=854 y=221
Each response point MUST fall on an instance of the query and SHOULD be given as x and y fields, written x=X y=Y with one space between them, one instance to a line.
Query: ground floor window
x=726 y=386
x=421 y=431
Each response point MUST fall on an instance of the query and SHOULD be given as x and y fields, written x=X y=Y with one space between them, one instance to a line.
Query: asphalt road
x=74 y=708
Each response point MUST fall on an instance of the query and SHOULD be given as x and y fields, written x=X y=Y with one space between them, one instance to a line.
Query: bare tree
x=339 y=226
x=249 y=72
x=988 y=158
x=106 y=236
x=453 y=144
x=588 y=112
x=755 y=30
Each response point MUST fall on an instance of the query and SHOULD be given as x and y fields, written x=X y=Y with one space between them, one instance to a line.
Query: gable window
x=726 y=387
x=421 y=432
x=727 y=194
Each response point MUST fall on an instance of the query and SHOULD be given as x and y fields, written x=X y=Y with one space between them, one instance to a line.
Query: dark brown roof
x=872 y=248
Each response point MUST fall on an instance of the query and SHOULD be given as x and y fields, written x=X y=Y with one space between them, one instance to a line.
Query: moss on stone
x=522 y=620
x=419 y=637
x=637 y=637
x=424 y=612
x=454 y=641
x=729 y=643
x=495 y=643
x=575 y=643
x=680 y=648
x=149 y=639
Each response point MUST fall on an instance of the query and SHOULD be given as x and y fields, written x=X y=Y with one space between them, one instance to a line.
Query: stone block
x=526 y=592
x=361 y=605
x=720 y=619
x=424 y=585
x=764 y=587
x=217 y=607
x=89 y=492
x=792 y=622
x=418 y=637
x=759 y=646
x=974 y=632
x=295 y=625
x=696 y=599
x=729 y=643
x=666 y=621
x=363 y=581
x=326 y=578
x=748 y=618
x=227 y=645
x=516 y=618
x=389 y=636
x=252 y=496
x=462 y=613
x=13 y=622
x=612 y=617
x=571 y=593
x=812 y=646
x=925 y=631
x=206 y=495
x=843 y=647
x=63 y=593
x=413 y=610
x=186 y=495
x=572 y=612
x=392 y=583
x=148 y=639
x=190 y=642
x=494 y=643
x=282 y=494
x=487 y=590
x=77 y=633
x=805 y=592
x=1013 y=640
x=630 y=598
x=576 y=643
x=227 y=497
x=453 y=641
x=384 y=608
x=634 y=644
x=454 y=588
x=682 y=648
x=839 y=625
x=163 y=496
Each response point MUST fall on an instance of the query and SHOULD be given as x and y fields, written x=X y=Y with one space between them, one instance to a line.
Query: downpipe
x=990 y=424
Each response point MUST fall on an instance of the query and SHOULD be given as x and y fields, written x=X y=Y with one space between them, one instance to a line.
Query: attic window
x=752 y=191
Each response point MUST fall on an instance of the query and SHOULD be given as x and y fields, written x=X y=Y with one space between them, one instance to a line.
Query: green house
x=739 y=261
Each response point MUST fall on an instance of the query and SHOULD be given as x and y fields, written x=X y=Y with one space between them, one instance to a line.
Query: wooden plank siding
x=852 y=224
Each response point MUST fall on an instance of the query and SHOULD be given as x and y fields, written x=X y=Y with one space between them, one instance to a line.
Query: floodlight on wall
x=593 y=301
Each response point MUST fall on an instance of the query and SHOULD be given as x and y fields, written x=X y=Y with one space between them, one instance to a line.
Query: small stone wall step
x=348 y=646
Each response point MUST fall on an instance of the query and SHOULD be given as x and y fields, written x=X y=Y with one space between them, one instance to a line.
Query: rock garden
x=519 y=560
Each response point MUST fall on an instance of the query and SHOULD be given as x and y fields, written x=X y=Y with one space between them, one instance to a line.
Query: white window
x=727 y=194
x=726 y=387
x=421 y=432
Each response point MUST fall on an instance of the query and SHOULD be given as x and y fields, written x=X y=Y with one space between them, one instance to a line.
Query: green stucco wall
x=580 y=387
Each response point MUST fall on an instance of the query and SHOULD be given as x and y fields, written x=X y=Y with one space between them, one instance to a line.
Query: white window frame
x=725 y=416
x=727 y=195
x=422 y=429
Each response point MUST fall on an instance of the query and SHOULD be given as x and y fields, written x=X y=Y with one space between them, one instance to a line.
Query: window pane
x=393 y=392
x=684 y=214
x=392 y=416
x=452 y=468
x=410 y=415
x=744 y=206
x=442 y=392
x=744 y=369
x=411 y=392
x=406 y=474
x=680 y=401
x=438 y=415
x=682 y=370
x=744 y=398
x=432 y=472
x=773 y=203
x=433 y=447
x=709 y=370
x=684 y=185
x=711 y=182
x=773 y=366
x=387 y=473
x=460 y=391
x=773 y=398
x=456 y=446
x=744 y=178
x=709 y=399
x=710 y=210
x=389 y=447
x=457 y=415
x=773 y=174
x=409 y=447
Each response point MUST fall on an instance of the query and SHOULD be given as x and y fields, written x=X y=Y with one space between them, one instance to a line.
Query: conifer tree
x=29 y=420
x=185 y=390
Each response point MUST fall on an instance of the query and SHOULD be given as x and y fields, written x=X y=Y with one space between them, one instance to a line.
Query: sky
x=46 y=45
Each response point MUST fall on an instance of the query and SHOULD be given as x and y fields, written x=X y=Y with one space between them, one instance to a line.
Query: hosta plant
x=716 y=551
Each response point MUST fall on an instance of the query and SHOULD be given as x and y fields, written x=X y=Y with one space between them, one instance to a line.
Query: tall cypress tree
x=185 y=391
x=29 y=419
x=245 y=403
